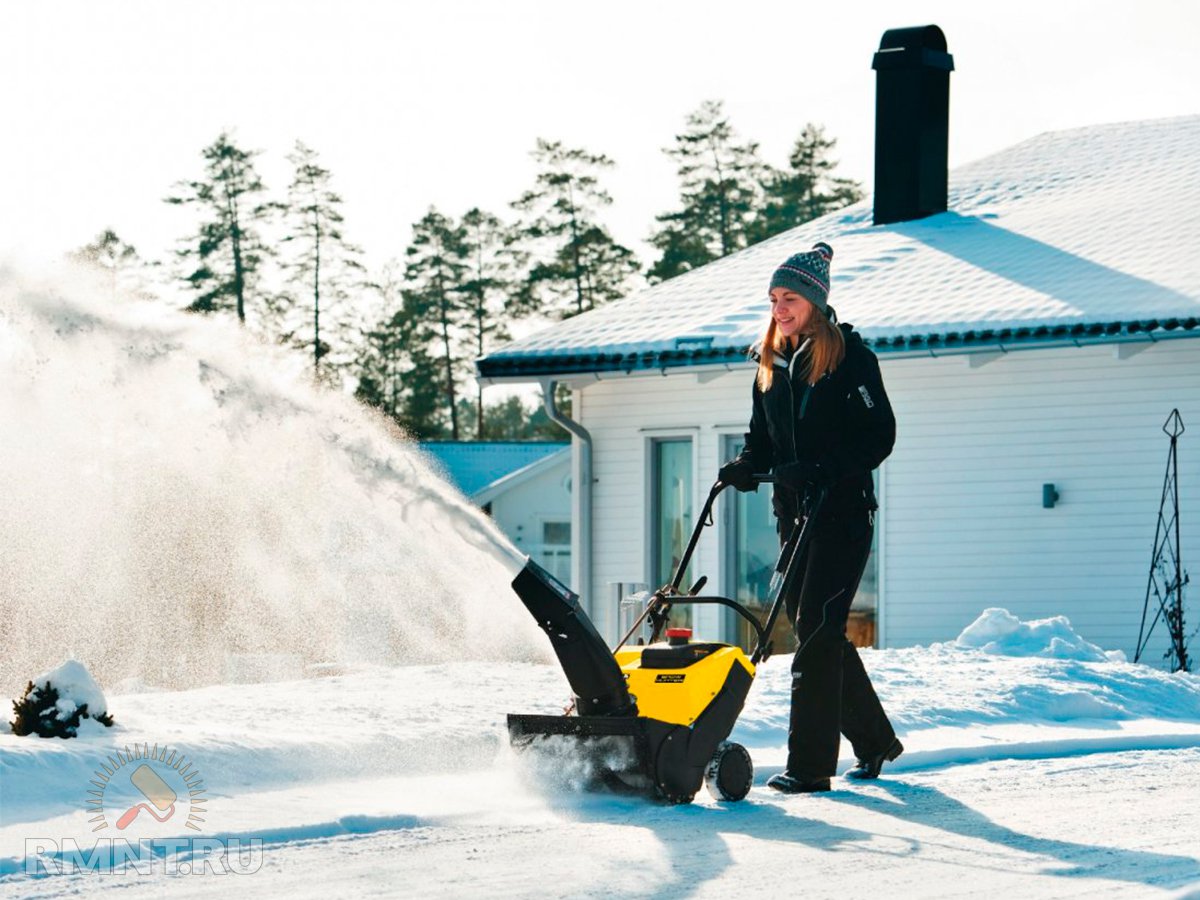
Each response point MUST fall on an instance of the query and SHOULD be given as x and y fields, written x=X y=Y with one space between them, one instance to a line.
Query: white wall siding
x=521 y=511
x=962 y=526
x=963 y=520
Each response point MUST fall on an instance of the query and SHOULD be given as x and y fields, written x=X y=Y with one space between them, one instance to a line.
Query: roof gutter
x=581 y=501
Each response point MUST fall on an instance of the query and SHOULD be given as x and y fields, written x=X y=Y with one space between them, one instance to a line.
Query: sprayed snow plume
x=184 y=507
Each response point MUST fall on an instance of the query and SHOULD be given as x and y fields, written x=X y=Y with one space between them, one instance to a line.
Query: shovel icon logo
x=158 y=782
x=153 y=788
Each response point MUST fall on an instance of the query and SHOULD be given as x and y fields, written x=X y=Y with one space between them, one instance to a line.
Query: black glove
x=739 y=474
x=796 y=476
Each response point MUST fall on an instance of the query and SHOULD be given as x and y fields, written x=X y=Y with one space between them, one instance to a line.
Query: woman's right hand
x=739 y=474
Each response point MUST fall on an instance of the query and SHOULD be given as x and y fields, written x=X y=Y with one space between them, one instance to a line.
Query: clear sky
x=104 y=105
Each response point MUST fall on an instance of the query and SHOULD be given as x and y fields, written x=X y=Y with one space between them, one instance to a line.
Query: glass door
x=751 y=550
x=671 y=512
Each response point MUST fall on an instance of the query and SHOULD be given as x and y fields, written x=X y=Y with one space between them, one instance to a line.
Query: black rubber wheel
x=730 y=772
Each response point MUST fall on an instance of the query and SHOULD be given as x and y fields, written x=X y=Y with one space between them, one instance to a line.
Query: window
x=671 y=513
x=554 y=553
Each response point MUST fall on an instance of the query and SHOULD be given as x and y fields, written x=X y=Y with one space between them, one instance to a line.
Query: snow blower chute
x=654 y=718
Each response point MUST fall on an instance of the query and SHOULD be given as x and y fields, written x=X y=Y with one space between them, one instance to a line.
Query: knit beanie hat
x=807 y=274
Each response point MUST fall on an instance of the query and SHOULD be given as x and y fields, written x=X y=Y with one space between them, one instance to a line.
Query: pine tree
x=578 y=265
x=719 y=191
x=434 y=275
x=324 y=270
x=490 y=281
x=227 y=250
x=393 y=366
x=118 y=260
x=808 y=189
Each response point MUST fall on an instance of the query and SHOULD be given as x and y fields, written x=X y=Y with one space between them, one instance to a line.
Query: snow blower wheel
x=730 y=772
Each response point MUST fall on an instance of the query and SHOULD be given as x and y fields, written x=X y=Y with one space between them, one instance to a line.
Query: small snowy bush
x=57 y=701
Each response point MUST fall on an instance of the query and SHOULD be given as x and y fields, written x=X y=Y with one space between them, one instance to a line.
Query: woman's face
x=793 y=314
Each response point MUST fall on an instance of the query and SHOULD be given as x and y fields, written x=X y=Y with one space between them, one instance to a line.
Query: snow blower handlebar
x=658 y=608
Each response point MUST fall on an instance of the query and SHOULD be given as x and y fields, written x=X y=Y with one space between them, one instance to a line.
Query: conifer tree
x=324 y=270
x=118 y=260
x=489 y=281
x=395 y=372
x=226 y=252
x=577 y=263
x=719 y=190
x=435 y=272
x=807 y=189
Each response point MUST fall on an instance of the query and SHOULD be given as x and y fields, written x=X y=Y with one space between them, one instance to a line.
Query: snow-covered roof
x=1072 y=236
x=474 y=466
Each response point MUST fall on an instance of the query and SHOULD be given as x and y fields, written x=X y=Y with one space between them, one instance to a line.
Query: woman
x=821 y=419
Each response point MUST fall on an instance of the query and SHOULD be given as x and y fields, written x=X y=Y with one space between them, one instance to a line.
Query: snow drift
x=999 y=631
x=183 y=507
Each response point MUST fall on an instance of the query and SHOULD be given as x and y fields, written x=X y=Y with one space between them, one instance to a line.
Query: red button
x=679 y=633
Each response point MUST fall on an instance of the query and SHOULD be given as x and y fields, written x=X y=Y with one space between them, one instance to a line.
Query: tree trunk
x=479 y=352
x=235 y=239
x=443 y=304
x=722 y=205
x=480 y=312
x=316 y=294
x=575 y=252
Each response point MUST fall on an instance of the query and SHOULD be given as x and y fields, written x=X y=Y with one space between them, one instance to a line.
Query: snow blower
x=654 y=718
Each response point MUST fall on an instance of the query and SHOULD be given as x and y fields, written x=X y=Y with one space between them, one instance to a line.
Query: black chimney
x=912 y=121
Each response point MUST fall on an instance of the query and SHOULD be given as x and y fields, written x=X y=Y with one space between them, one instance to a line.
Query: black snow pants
x=831 y=693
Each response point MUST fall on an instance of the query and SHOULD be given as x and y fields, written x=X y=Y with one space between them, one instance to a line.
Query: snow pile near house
x=999 y=631
x=183 y=507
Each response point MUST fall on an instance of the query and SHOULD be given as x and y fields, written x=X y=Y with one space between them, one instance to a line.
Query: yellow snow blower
x=654 y=718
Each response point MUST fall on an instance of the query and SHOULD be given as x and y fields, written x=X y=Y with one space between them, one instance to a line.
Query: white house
x=1039 y=331
x=525 y=486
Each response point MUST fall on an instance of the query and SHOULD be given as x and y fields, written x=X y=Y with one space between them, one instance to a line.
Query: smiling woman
x=822 y=423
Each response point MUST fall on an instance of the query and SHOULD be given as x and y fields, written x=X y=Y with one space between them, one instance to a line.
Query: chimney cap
x=922 y=46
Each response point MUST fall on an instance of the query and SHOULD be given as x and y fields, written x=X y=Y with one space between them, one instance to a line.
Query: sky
x=107 y=104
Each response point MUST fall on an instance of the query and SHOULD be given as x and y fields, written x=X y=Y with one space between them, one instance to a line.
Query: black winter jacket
x=843 y=423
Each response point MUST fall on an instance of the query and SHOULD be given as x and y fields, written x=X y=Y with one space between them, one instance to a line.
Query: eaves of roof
x=948 y=343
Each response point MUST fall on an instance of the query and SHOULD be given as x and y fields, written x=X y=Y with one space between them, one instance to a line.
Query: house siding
x=962 y=526
x=521 y=511
x=963 y=521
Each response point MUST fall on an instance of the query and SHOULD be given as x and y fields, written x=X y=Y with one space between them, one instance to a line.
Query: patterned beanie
x=807 y=274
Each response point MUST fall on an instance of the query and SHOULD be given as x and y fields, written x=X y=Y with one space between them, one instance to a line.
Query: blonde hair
x=825 y=353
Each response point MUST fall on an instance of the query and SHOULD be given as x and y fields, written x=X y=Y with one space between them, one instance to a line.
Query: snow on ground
x=1034 y=776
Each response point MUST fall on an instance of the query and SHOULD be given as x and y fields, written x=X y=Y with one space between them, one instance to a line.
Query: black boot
x=790 y=784
x=872 y=765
